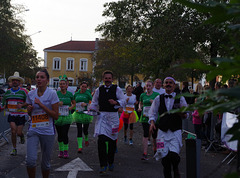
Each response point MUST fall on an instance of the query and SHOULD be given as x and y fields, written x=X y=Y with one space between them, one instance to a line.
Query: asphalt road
x=128 y=161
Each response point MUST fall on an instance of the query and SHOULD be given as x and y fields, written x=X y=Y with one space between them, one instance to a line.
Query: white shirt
x=160 y=91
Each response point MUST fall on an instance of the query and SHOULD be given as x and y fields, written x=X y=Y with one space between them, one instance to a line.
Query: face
x=107 y=79
x=41 y=79
x=158 y=84
x=129 y=90
x=15 y=83
x=83 y=87
x=169 y=85
x=149 y=86
x=63 y=85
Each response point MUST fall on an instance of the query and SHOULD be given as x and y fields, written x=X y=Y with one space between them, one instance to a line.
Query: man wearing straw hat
x=14 y=101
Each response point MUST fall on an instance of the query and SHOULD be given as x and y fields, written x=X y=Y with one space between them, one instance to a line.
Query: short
x=18 y=120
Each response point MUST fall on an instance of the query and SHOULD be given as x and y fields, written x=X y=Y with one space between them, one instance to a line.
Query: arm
x=73 y=105
x=153 y=113
x=94 y=103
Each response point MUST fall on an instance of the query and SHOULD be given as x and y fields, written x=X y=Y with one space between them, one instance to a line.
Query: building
x=72 y=58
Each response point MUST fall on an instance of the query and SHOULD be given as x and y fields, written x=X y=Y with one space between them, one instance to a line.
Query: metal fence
x=4 y=126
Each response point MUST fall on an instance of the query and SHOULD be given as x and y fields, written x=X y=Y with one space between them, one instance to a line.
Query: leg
x=13 y=134
x=145 y=137
x=31 y=155
x=79 y=137
x=175 y=160
x=125 y=132
x=131 y=131
x=111 y=150
x=166 y=162
x=102 y=150
x=154 y=136
x=46 y=142
x=65 y=140
x=85 y=132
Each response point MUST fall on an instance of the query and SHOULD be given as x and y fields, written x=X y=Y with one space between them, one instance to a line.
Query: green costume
x=67 y=101
x=79 y=116
x=145 y=99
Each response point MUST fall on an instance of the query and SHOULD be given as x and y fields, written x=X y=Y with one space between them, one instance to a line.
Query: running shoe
x=110 y=167
x=86 y=143
x=14 y=152
x=144 y=157
x=103 y=170
x=22 y=139
x=130 y=142
x=60 y=155
x=65 y=154
x=125 y=141
x=79 y=150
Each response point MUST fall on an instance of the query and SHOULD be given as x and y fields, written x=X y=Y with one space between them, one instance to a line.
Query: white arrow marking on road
x=73 y=167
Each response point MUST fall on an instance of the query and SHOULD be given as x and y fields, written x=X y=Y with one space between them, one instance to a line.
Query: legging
x=63 y=133
x=126 y=126
x=80 y=129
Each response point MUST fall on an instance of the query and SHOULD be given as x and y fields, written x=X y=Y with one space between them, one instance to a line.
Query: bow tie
x=168 y=96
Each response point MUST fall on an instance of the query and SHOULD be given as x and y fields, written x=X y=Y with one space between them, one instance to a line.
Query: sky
x=61 y=20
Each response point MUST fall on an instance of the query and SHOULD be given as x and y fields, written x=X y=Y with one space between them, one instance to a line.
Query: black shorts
x=19 y=120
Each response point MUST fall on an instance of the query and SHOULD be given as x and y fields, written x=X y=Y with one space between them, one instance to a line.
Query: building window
x=83 y=64
x=70 y=63
x=55 y=83
x=56 y=63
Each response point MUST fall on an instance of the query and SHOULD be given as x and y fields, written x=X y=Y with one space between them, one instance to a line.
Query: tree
x=16 y=51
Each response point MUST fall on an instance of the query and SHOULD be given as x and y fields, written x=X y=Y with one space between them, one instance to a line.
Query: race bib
x=63 y=110
x=79 y=108
x=129 y=108
x=12 y=106
x=40 y=119
x=146 y=111
x=160 y=144
x=115 y=129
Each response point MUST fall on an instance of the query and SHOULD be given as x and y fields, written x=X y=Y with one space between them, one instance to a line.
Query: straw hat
x=16 y=77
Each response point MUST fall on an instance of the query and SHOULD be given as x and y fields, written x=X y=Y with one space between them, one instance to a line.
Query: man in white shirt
x=170 y=126
x=109 y=98
x=158 y=86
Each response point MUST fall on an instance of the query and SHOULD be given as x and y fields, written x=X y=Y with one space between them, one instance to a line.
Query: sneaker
x=130 y=142
x=149 y=143
x=110 y=167
x=103 y=170
x=65 y=154
x=60 y=155
x=86 y=143
x=79 y=150
x=22 y=139
x=125 y=141
x=14 y=152
x=144 y=157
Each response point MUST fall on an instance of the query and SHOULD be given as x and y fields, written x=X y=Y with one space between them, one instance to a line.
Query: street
x=128 y=161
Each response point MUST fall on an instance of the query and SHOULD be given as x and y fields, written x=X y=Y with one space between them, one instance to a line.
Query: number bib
x=12 y=106
x=79 y=108
x=146 y=111
x=129 y=108
x=63 y=110
x=115 y=129
x=160 y=144
x=40 y=119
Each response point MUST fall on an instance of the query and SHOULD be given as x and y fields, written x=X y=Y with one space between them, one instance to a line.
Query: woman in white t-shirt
x=43 y=109
x=129 y=116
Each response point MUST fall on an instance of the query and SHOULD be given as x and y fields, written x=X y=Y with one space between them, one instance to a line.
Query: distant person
x=177 y=89
x=14 y=101
x=158 y=86
x=138 y=91
x=28 y=87
x=70 y=89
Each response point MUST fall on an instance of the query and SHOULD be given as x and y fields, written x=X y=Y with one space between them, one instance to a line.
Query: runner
x=66 y=104
x=129 y=115
x=14 y=101
x=43 y=109
x=146 y=100
x=82 y=97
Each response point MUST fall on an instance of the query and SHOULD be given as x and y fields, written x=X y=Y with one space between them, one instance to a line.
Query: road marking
x=73 y=167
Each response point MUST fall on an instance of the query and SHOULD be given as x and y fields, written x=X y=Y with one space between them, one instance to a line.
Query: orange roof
x=74 y=46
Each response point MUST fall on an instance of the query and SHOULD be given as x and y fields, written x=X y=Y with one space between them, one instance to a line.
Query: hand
x=83 y=104
x=152 y=127
x=182 y=115
x=120 y=110
x=151 y=101
x=112 y=102
x=139 y=109
x=60 y=103
x=19 y=105
x=29 y=108
x=127 y=100
x=37 y=101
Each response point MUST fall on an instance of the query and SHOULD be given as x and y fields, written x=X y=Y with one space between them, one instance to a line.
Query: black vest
x=169 y=121
x=104 y=96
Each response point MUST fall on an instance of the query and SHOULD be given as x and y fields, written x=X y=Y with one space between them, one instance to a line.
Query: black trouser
x=63 y=133
x=106 y=150
x=171 y=160
x=80 y=129
x=126 y=126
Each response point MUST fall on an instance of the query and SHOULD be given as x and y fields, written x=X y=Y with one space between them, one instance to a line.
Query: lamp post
x=35 y=33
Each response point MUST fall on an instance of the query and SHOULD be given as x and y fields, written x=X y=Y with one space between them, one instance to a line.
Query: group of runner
x=49 y=109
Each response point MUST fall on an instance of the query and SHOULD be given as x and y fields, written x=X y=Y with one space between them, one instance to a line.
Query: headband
x=170 y=79
x=62 y=78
